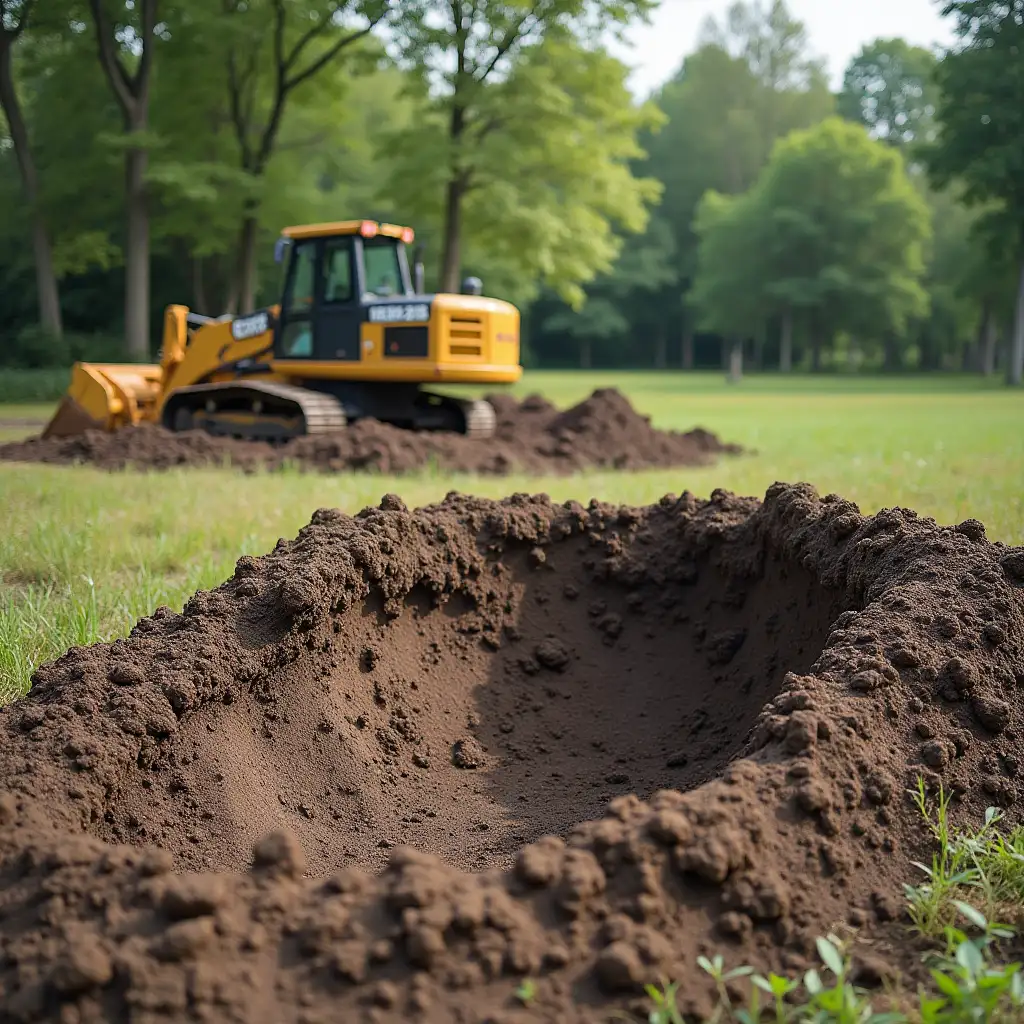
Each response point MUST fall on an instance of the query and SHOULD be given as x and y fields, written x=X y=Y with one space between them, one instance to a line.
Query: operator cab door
x=338 y=317
x=321 y=316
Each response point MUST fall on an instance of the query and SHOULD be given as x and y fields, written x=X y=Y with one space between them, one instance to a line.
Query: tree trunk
x=989 y=339
x=47 y=295
x=585 y=354
x=735 y=361
x=687 y=347
x=136 y=257
x=758 y=354
x=1015 y=370
x=816 y=352
x=451 y=258
x=786 y=343
x=247 y=262
x=660 y=349
x=451 y=261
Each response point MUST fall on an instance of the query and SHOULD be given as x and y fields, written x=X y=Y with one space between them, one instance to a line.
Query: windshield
x=383 y=269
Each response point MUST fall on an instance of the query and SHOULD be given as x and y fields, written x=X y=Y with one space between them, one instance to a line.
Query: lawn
x=86 y=553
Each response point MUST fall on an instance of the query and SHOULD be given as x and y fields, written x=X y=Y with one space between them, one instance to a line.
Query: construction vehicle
x=352 y=337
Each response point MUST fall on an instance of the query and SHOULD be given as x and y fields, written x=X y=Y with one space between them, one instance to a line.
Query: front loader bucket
x=71 y=419
x=106 y=397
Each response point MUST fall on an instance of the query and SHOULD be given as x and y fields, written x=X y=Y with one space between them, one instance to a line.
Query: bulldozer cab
x=333 y=273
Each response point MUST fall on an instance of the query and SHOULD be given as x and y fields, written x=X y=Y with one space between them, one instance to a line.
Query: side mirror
x=280 y=249
x=472 y=286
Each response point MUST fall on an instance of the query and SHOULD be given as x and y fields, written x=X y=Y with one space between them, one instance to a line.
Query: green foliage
x=827 y=997
x=889 y=88
x=619 y=302
x=833 y=229
x=530 y=135
x=725 y=113
x=46 y=385
x=728 y=290
x=981 y=107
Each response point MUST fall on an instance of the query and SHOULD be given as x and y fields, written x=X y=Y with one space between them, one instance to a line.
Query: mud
x=602 y=432
x=408 y=759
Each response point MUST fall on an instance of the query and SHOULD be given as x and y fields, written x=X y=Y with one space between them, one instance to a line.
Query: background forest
x=743 y=215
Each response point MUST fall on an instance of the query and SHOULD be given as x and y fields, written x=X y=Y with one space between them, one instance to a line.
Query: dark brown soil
x=409 y=758
x=604 y=431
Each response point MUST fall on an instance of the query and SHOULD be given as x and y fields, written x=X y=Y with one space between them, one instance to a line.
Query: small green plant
x=962 y=860
x=666 y=1009
x=527 y=991
x=715 y=968
x=971 y=988
x=815 y=999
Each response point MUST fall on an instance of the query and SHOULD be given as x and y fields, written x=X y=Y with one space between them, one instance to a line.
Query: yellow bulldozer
x=353 y=336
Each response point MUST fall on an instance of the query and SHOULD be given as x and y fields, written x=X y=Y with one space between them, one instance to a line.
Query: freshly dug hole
x=471 y=723
x=286 y=696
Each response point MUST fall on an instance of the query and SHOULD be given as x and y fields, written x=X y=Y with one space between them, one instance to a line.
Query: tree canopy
x=889 y=87
x=981 y=114
x=832 y=233
x=161 y=147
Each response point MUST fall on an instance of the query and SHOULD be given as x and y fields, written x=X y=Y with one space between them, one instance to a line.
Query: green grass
x=85 y=553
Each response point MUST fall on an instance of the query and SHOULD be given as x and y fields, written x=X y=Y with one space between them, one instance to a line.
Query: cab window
x=296 y=338
x=338 y=271
x=299 y=300
x=383 y=270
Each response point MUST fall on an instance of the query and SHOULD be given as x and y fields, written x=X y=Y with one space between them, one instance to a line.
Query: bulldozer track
x=320 y=413
x=481 y=420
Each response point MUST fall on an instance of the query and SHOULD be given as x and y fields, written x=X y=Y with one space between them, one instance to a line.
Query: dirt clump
x=407 y=759
x=603 y=431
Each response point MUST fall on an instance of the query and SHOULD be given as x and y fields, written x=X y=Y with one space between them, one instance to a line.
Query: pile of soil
x=603 y=431
x=408 y=759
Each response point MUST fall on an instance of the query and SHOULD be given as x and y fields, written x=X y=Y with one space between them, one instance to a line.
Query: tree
x=981 y=124
x=889 y=88
x=305 y=37
x=120 y=39
x=14 y=17
x=749 y=85
x=832 y=233
x=772 y=43
x=729 y=270
x=513 y=90
x=622 y=307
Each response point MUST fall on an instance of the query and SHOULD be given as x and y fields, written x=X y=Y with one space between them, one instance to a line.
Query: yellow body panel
x=472 y=340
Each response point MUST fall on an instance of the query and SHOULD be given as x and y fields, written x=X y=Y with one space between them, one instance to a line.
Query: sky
x=837 y=29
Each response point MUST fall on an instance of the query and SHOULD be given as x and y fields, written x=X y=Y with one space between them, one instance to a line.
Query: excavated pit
x=471 y=729
x=408 y=759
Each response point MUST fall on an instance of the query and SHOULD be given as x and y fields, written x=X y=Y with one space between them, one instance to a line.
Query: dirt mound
x=604 y=431
x=409 y=758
